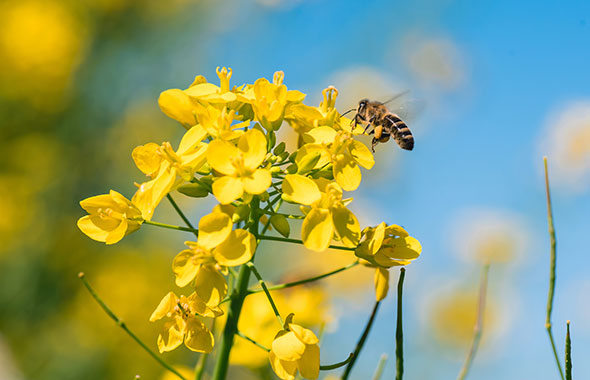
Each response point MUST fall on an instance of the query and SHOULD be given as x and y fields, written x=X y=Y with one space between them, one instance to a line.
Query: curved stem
x=399 y=332
x=380 y=367
x=328 y=367
x=301 y=282
x=477 y=331
x=122 y=324
x=296 y=241
x=361 y=342
x=265 y=289
x=552 y=270
x=179 y=211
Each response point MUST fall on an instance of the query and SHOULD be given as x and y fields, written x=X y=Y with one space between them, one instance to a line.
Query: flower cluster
x=230 y=151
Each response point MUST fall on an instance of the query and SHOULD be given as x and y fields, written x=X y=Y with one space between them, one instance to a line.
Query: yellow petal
x=317 y=229
x=202 y=90
x=346 y=226
x=310 y=149
x=178 y=106
x=300 y=189
x=403 y=248
x=396 y=231
x=347 y=173
x=184 y=267
x=321 y=135
x=214 y=228
x=309 y=364
x=165 y=306
x=198 y=337
x=227 y=189
x=361 y=154
x=172 y=336
x=197 y=305
x=96 y=227
x=210 y=285
x=191 y=139
x=288 y=347
x=284 y=369
x=253 y=147
x=147 y=159
x=295 y=96
x=220 y=155
x=305 y=335
x=258 y=182
x=237 y=249
x=381 y=283
x=118 y=233
x=377 y=238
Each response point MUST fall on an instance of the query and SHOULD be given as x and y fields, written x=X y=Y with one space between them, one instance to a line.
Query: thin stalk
x=477 y=331
x=288 y=216
x=304 y=281
x=122 y=324
x=329 y=367
x=263 y=285
x=179 y=211
x=235 y=306
x=380 y=367
x=171 y=227
x=399 y=332
x=244 y=336
x=568 y=353
x=296 y=241
x=200 y=369
x=361 y=342
x=552 y=270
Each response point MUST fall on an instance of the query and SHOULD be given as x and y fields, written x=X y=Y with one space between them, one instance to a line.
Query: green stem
x=200 y=369
x=235 y=306
x=477 y=331
x=568 y=353
x=552 y=270
x=243 y=336
x=311 y=279
x=296 y=241
x=263 y=285
x=289 y=216
x=361 y=341
x=179 y=211
x=122 y=324
x=171 y=227
x=399 y=332
x=380 y=367
x=329 y=367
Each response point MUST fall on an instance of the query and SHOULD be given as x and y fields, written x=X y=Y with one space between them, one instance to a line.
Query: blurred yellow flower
x=328 y=217
x=167 y=168
x=41 y=44
x=239 y=166
x=295 y=349
x=112 y=217
x=184 y=325
x=218 y=122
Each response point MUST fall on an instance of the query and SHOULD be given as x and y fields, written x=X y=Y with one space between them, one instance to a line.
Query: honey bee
x=385 y=124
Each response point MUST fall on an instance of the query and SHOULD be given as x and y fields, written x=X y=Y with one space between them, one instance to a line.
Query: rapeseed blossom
x=230 y=150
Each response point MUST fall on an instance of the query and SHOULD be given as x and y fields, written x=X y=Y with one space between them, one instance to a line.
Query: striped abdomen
x=399 y=130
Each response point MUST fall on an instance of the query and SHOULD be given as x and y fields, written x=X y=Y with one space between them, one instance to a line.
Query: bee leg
x=373 y=144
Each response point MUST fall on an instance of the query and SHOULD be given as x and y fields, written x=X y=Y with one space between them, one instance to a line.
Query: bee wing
x=407 y=109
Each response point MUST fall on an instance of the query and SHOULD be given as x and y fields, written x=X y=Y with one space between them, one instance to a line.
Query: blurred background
x=499 y=85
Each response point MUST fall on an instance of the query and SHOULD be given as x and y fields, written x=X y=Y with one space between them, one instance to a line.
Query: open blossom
x=183 y=325
x=328 y=217
x=218 y=247
x=112 y=217
x=295 y=349
x=167 y=168
x=238 y=166
x=384 y=247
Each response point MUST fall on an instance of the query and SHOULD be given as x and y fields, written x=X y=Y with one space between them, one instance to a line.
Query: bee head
x=362 y=105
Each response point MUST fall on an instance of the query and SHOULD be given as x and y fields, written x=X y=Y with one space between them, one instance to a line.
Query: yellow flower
x=268 y=100
x=218 y=247
x=341 y=150
x=328 y=217
x=239 y=166
x=218 y=122
x=167 y=168
x=112 y=217
x=384 y=247
x=210 y=93
x=295 y=348
x=184 y=324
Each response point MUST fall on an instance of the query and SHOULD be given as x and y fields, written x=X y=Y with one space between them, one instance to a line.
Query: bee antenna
x=349 y=111
x=396 y=96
